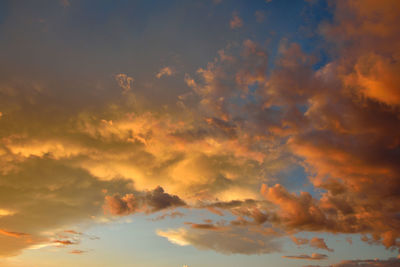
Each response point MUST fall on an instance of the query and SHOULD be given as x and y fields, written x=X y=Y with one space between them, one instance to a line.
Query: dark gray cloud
x=150 y=201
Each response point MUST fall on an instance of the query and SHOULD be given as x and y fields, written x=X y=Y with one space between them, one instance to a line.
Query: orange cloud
x=368 y=263
x=121 y=206
x=124 y=81
x=77 y=251
x=65 y=242
x=299 y=241
x=236 y=21
x=296 y=212
x=314 y=256
x=319 y=243
x=166 y=71
x=172 y=215
x=205 y=226
x=13 y=234
x=370 y=68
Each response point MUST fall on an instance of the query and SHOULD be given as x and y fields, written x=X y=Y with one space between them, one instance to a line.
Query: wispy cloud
x=236 y=22
x=166 y=71
x=125 y=82
x=314 y=256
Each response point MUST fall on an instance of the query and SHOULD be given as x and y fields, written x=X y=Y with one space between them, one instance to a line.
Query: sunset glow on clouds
x=200 y=133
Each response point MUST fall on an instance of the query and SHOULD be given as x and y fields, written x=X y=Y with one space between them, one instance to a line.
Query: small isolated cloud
x=124 y=81
x=314 y=256
x=205 y=226
x=177 y=236
x=236 y=21
x=65 y=242
x=299 y=241
x=315 y=242
x=319 y=243
x=166 y=71
x=171 y=215
x=77 y=251
x=73 y=232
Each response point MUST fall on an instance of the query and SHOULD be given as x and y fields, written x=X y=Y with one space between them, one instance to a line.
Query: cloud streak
x=314 y=256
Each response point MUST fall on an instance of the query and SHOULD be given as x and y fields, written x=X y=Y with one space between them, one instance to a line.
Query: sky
x=190 y=133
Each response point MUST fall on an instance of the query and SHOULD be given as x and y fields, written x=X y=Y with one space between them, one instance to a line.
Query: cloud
x=13 y=234
x=316 y=242
x=205 y=226
x=368 y=263
x=54 y=196
x=236 y=22
x=159 y=200
x=151 y=201
x=299 y=241
x=240 y=125
x=230 y=240
x=296 y=212
x=391 y=262
x=314 y=256
x=373 y=73
x=121 y=206
x=65 y=242
x=172 y=215
x=166 y=71
x=73 y=232
x=77 y=251
x=124 y=81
